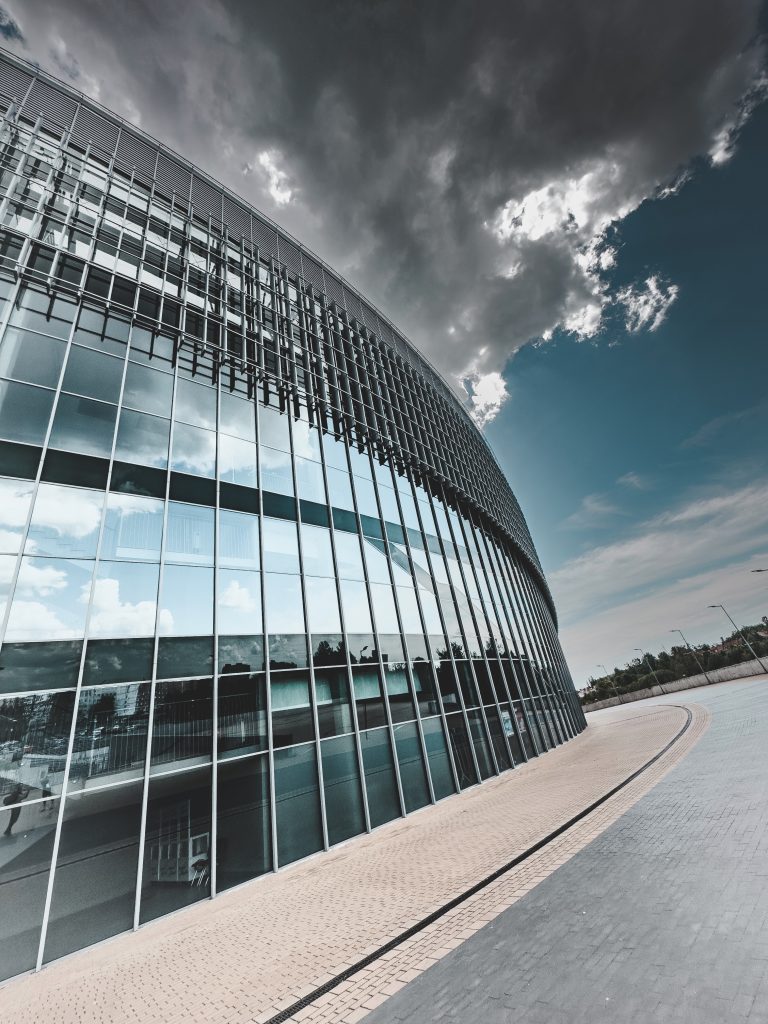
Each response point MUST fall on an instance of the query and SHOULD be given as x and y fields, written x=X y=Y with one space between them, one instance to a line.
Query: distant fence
x=716 y=675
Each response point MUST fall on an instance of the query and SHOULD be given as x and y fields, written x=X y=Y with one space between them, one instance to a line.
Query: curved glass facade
x=264 y=587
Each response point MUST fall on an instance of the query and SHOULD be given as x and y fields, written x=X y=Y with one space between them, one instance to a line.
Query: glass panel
x=244 y=842
x=95 y=882
x=237 y=461
x=297 y=804
x=133 y=528
x=241 y=653
x=348 y=556
x=316 y=551
x=27 y=843
x=322 y=606
x=242 y=714
x=182 y=729
x=479 y=738
x=354 y=599
x=273 y=428
x=309 y=480
x=31 y=357
x=306 y=442
x=380 y=785
x=334 y=711
x=34 y=735
x=124 y=600
x=195 y=403
x=186 y=607
x=194 y=450
x=24 y=412
x=147 y=389
x=239 y=602
x=291 y=709
x=93 y=374
x=281 y=546
x=238 y=540
x=15 y=499
x=426 y=694
x=84 y=426
x=341 y=781
x=369 y=697
x=118 y=661
x=111 y=735
x=276 y=473
x=189 y=534
x=497 y=739
x=462 y=754
x=399 y=692
x=237 y=416
x=339 y=489
x=142 y=438
x=65 y=522
x=437 y=755
x=178 y=842
x=51 y=599
x=412 y=775
x=39 y=666
x=376 y=560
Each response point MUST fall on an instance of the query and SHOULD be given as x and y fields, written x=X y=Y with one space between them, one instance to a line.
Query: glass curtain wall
x=234 y=631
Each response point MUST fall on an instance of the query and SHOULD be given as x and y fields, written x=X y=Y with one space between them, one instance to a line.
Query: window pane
x=412 y=775
x=334 y=712
x=383 y=801
x=276 y=473
x=147 y=389
x=322 y=606
x=238 y=540
x=177 y=849
x=354 y=599
x=237 y=416
x=195 y=403
x=51 y=599
x=341 y=782
x=93 y=374
x=65 y=522
x=182 y=729
x=244 y=842
x=24 y=412
x=437 y=755
x=291 y=709
x=242 y=714
x=316 y=550
x=186 y=608
x=480 y=741
x=124 y=599
x=34 y=734
x=273 y=429
x=462 y=755
x=133 y=528
x=339 y=489
x=306 y=441
x=348 y=556
x=194 y=450
x=239 y=602
x=84 y=426
x=142 y=438
x=285 y=620
x=95 y=881
x=15 y=499
x=237 y=461
x=281 y=546
x=189 y=534
x=297 y=804
x=309 y=480
x=31 y=357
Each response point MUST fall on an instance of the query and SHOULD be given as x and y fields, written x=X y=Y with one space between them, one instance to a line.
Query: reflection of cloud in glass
x=273 y=459
x=36 y=579
x=305 y=441
x=66 y=511
x=238 y=597
x=111 y=616
x=194 y=451
x=14 y=506
x=30 y=619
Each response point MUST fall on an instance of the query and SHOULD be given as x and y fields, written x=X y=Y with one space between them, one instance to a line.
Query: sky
x=560 y=202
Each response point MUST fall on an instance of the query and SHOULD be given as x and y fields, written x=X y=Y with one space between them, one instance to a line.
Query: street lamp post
x=608 y=676
x=701 y=667
x=650 y=666
x=749 y=645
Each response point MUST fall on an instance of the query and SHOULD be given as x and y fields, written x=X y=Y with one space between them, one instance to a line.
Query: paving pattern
x=663 y=917
x=254 y=951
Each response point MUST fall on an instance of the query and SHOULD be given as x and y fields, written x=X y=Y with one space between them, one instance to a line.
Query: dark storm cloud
x=462 y=162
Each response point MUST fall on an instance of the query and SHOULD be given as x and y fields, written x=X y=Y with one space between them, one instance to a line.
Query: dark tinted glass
x=334 y=711
x=380 y=785
x=244 y=842
x=462 y=753
x=242 y=722
x=292 y=720
x=412 y=775
x=182 y=730
x=437 y=755
x=341 y=782
x=297 y=803
x=39 y=666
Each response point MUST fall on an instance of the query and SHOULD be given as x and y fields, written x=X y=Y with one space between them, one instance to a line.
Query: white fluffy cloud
x=646 y=306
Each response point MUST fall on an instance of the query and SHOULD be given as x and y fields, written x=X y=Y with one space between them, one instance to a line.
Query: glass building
x=263 y=585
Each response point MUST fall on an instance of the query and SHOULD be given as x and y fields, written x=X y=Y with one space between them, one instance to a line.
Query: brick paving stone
x=252 y=950
x=662 y=917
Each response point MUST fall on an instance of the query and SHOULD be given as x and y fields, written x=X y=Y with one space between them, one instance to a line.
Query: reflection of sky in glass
x=65 y=522
x=283 y=603
x=51 y=599
x=133 y=527
x=239 y=602
x=142 y=439
x=189 y=534
x=357 y=616
x=186 y=606
x=15 y=497
x=237 y=461
x=322 y=605
x=124 y=599
x=281 y=546
x=316 y=551
x=194 y=450
x=238 y=540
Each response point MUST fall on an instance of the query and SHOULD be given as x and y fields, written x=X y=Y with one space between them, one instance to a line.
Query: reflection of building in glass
x=264 y=586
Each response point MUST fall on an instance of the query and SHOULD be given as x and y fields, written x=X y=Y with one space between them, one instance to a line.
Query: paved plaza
x=256 y=950
x=663 y=917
